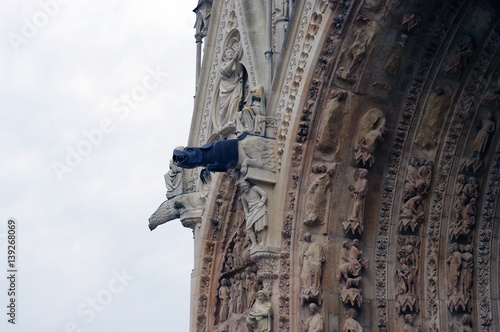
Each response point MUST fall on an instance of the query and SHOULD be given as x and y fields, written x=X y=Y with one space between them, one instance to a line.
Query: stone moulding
x=457 y=125
x=486 y=223
x=401 y=134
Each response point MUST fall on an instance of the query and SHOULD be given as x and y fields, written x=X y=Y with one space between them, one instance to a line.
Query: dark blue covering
x=219 y=156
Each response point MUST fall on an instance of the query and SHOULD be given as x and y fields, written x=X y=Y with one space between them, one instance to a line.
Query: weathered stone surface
x=380 y=169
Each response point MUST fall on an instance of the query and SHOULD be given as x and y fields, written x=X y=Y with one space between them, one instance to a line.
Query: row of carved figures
x=237 y=294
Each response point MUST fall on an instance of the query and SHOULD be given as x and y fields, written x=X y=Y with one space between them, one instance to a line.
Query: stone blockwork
x=371 y=204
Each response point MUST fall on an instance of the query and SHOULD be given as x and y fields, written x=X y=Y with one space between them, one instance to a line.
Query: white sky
x=79 y=227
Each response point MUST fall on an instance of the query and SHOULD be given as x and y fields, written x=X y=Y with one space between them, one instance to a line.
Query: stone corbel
x=267 y=260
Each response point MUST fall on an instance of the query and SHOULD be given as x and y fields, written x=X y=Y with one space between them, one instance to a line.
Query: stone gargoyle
x=247 y=150
x=183 y=206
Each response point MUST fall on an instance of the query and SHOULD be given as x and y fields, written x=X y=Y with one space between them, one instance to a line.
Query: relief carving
x=314 y=323
x=349 y=273
x=317 y=196
x=173 y=180
x=355 y=218
x=459 y=278
x=408 y=327
x=253 y=199
x=231 y=86
x=475 y=163
x=371 y=131
x=465 y=208
x=432 y=121
x=408 y=257
x=252 y=118
x=351 y=324
x=259 y=318
x=458 y=61
x=312 y=259
x=353 y=56
x=331 y=124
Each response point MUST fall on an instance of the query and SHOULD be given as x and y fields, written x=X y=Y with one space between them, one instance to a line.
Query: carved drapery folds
x=312 y=258
x=354 y=224
x=407 y=273
x=349 y=273
x=317 y=197
x=371 y=131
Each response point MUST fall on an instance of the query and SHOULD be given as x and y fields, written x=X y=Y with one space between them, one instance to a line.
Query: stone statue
x=365 y=150
x=317 y=196
x=253 y=200
x=315 y=322
x=458 y=61
x=471 y=190
x=432 y=121
x=455 y=262
x=259 y=318
x=351 y=324
x=409 y=324
x=224 y=300
x=252 y=287
x=312 y=259
x=173 y=180
x=466 y=324
x=467 y=272
x=351 y=265
x=411 y=214
x=355 y=217
x=405 y=285
x=424 y=176
x=232 y=297
x=231 y=86
x=252 y=118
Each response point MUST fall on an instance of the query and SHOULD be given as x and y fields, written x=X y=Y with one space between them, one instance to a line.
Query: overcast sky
x=94 y=96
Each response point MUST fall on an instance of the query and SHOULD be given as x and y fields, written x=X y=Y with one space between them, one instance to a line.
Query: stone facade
x=368 y=199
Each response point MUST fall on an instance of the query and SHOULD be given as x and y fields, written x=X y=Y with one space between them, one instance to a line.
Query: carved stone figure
x=408 y=327
x=252 y=289
x=410 y=21
x=317 y=197
x=173 y=180
x=315 y=322
x=424 y=176
x=411 y=215
x=487 y=128
x=311 y=260
x=472 y=188
x=224 y=300
x=405 y=285
x=466 y=324
x=455 y=262
x=466 y=274
x=356 y=52
x=221 y=156
x=365 y=150
x=350 y=266
x=229 y=265
x=252 y=118
x=259 y=318
x=253 y=200
x=330 y=125
x=355 y=218
x=432 y=121
x=232 y=297
x=231 y=85
x=458 y=61
x=351 y=324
